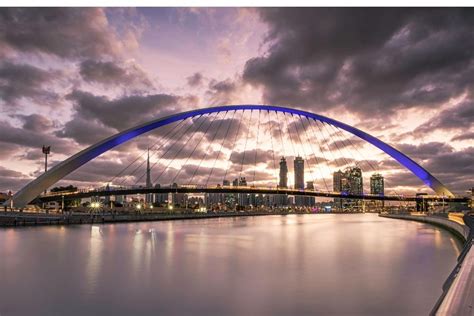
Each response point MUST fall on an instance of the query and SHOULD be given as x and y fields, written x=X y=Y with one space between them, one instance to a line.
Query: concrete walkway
x=458 y=290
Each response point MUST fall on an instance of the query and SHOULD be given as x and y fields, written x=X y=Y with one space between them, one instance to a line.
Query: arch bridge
x=32 y=191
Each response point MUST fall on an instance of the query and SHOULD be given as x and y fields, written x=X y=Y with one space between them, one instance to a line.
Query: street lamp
x=95 y=206
x=46 y=152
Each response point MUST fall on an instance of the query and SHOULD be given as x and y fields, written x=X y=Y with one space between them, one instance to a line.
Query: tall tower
x=299 y=173
x=283 y=174
x=298 y=167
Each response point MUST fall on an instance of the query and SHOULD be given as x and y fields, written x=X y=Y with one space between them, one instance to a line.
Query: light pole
x=46 y=152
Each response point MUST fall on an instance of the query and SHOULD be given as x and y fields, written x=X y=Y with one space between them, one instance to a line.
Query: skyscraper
x=310 y=200
x=337 y=181
x=349 y=182
x=298 y=165
x=354 y=177
x=299 y=172
x=283 y=173
x=377 y=184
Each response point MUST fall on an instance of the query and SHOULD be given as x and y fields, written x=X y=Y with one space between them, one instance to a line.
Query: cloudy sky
x=71 y=77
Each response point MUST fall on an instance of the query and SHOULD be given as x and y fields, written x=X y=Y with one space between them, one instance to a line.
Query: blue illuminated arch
x=40 y=184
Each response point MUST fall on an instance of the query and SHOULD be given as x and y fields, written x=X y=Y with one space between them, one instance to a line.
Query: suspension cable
x=208 y=147
x=314 y=153
x=220 y=150
x=169 y=147
x=138 y=167
x=303 y=148
x=178 y=152
x=289 y=133
x=196 y=146
x=335 y=143
x=283 y=148
x=256 y=149
x=323 y=152
x=233 y=146
x=341 y=140
x=245 y=148
x=143 y=154
x=273 y=152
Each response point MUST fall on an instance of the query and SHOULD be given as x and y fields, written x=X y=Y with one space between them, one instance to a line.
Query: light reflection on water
x=296 y=264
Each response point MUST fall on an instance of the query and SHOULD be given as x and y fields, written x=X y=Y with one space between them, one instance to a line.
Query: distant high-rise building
x=348 y=182
x=337 y=181
x=299 y=172
x=354 y=177
x=283 y=173
x=298 y=165
x=242 y=198
x=178 y=199
x=281 y=199
x=377 y=188
x=377 y=184
x=310 y=200
x=160 y=198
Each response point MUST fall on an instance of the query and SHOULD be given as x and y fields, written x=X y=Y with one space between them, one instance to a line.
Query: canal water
x=268 y=265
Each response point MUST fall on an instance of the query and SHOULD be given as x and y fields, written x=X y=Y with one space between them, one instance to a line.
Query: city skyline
x=151 y=61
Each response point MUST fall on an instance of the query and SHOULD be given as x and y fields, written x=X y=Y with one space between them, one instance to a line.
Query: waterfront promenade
x=9 y=219
x=458 y=290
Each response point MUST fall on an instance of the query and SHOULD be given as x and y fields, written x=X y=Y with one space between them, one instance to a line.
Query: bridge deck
x=242 y=190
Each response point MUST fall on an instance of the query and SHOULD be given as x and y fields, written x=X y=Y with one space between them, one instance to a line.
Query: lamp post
x=46 y=152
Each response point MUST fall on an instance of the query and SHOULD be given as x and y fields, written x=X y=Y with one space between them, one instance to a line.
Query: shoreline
x=458 y=290
x=16 y=219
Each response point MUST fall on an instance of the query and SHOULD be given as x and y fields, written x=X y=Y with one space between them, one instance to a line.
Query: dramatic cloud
x=85 y=131
x=36 y=122
x=459 y=117
x=11 y=180
x=64 y=32
x=248 y=157
x=127 y=111
x=371 y=61
x=18 y=81
x=424 y=151
x=195 y=80
x=32 y=139
x=453 y=167
x=350 y=143
x=464 y=136
x=221 y=92
x=112 y=73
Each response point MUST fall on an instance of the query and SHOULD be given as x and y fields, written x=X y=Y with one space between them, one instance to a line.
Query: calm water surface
x=272 y=265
